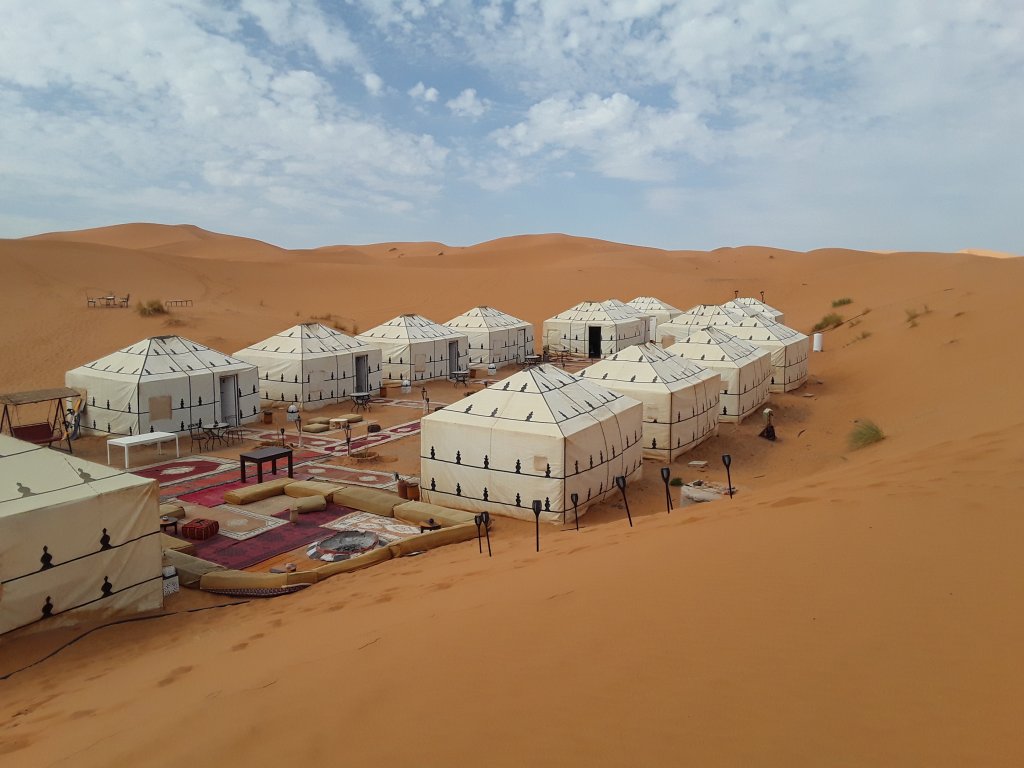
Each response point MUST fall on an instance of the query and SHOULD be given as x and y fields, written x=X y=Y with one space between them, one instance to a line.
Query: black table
x=460 y=377
x=361 y=400
x=261 y=455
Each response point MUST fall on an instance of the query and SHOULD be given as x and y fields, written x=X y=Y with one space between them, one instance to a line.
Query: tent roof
x=715 y=347
x=629 y=309
x=542 y=399
x=305 y=340
x=653 y=304
x=162 y=355
x=410 y=328
x=648 y=364
x=761 y=327
x=37 y=396
x=749 y=305
x=33 y=477
x=596 y=311
x=709 y=314
x=485 y=318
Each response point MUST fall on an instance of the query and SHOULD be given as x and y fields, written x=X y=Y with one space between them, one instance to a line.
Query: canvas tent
x=77 y=539
x=789 y=349
x=163 y=384
x=702 y=316
x=313 y=365
x=661 y=311
x=680 y=397
x=744 y=368
x=594 y=329
x=752 y=306
x=414 y=348
x=494 y=336
x=540 y=434
x=650 y=322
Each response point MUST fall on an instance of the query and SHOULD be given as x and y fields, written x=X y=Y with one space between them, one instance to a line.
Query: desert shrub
x=841 y=302
x=831 y=320
x=865 y=433
x=676 y=481
x=151 y=307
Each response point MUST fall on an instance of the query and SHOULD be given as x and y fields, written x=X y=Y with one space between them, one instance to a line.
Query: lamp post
x=536 y=517
x=575 y=498
x=478 y=519
x=727 y=460
x=293 y=415
x=620 y=481
x=348 y=438
x=485 y=518
x=665 y=476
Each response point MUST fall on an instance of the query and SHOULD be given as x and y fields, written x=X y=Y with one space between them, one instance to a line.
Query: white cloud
x=468 y=104
x=420 y=92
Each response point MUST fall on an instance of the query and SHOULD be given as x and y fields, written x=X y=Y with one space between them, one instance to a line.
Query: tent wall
x=102 y=551
x=420 y=359
x=316 y=381
x=573 y=336
x=500 y=346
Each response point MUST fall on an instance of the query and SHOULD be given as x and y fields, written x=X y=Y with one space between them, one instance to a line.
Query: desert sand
x=846 y=608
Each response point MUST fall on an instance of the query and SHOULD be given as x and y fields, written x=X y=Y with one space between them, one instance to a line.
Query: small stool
x=338 y=423
x=372 y=426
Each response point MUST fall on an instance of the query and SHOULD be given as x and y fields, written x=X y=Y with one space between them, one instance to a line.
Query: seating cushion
x=364 y=560
x=309 y=504
x=171 y=543
x=319 y=420
x=367 y=500
x=419 y=512
x=171 y=509
x=433 y=539
x=351 y=418
x=315 y=427
x=300 y=488
x=257 y=491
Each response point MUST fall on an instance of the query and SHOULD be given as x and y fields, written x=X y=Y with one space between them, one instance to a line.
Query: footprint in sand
x=174 y=675
x=82 y=713
x=239 y=646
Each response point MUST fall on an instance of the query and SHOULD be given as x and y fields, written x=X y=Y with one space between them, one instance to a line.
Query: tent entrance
x=593 y=341
x=453 y=357
x=521 y=351
x=362 y=373
x=229 y=399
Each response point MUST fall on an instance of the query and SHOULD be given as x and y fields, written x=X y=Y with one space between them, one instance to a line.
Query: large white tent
x=313 y=365
x=77 y=540
x=789 y=349
x=702 y=316
x=540 y=434
x=650 y=322
x=751 y=306
x=163 y=384
x=594 y=329
x=416 y=349
x=680 y=397
x=494 y=336
x=745 y=369
x=661 y=311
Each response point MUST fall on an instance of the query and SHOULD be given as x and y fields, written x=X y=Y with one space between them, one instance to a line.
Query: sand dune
x=850 y=607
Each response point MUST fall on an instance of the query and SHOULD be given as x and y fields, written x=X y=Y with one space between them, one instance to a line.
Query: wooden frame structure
x=45 y=433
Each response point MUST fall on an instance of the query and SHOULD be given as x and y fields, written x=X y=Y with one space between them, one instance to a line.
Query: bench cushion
x=419 y=512
x=257 y=491
x=367 y=500
x=300 y=488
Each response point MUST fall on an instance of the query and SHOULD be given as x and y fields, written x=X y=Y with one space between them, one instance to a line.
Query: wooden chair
x=125 y=300
x=90 y=302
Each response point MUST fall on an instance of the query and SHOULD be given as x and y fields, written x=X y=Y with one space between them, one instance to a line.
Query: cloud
x=420 y=92
x=468 y=104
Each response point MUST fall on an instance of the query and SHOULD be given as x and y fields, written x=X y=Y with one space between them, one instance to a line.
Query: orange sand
x=846 y=608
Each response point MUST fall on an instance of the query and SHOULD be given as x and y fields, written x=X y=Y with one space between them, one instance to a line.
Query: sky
x=875 y=124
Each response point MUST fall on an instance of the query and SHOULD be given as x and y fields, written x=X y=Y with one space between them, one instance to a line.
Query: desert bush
x=831 y=320
x=841 y=302
x=865 y=433
x=151 y=307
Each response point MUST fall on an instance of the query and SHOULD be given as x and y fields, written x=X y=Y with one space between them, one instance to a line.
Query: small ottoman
x=200 y=529
x=372 y=426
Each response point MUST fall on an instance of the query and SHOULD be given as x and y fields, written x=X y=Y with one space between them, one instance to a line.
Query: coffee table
x=261 y=455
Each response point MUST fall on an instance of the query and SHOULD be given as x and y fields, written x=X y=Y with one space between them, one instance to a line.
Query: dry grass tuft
x=865 y=433
x=151 y=308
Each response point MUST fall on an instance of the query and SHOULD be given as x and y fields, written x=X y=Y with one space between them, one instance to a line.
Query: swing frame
x=55 y=430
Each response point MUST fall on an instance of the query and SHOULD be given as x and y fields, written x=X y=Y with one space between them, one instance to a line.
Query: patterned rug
x=187 y=468
x=371 y=478
x=177 y=490
x=239 y=554
x=386 y=528
x=233 y=519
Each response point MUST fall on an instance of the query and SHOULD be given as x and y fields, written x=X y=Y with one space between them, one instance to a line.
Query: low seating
x=372 y=426
x=299 y=488
x=352 y=418
x=170 y=509
x=433 y=539
x=171 y=544
x=419 y=512
x=255 y=584
x=364 y=560
x=319 y=420
x=338 y=423
x=315 y=427
x=258 y=492
x=200 y=529
x=367 y=500
x=307 y=504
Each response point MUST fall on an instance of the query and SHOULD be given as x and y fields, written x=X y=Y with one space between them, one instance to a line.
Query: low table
x=361 y=400
x=168 y=523
x=261 y=455
x=146 y=438
x=460 y=377
x=531 y=360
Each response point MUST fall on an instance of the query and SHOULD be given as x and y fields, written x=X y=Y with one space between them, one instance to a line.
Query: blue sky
x=886 y=124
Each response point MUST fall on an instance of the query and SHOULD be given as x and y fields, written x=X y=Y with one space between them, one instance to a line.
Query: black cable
x=71 y=642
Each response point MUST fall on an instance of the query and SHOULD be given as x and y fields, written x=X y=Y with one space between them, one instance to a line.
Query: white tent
x=313 y=365
x=540 y=434
x=789 y=349
x=704 y=315
x=494 y=336
x=744 y=368
x=650 y=322
x=77 y=539
x=661 y=311
x=593 y=329
x=752 y=306
x=416 y=349
x=163 y=384
x=680 y=397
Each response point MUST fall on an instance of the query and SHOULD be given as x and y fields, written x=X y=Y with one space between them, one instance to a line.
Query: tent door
x=652 y=329
x=521 y=351
x=593 y=341
x=229 y=399
x=453 y=357
x=362 y=373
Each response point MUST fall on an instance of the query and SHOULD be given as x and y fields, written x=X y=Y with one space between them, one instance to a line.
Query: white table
x=147 y=438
